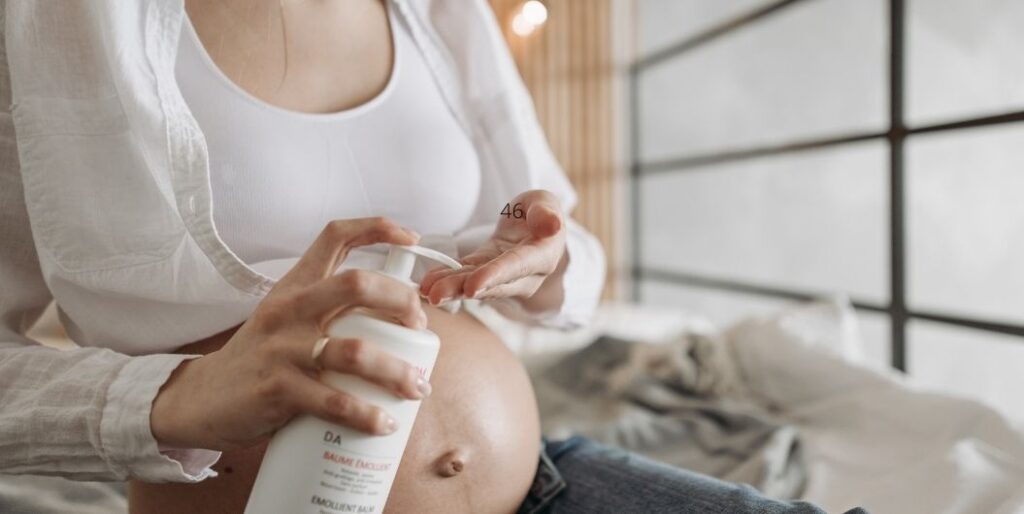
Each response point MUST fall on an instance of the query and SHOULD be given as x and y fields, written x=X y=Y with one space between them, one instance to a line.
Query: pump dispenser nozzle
x=402 y=259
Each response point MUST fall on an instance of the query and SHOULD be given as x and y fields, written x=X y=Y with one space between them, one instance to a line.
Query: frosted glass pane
x=966 y=222
x=661 y=23
x=968 y=362
x=876 y=339
x=964 y=58
x=814 y=221
x=811 y=70
x=725 y=308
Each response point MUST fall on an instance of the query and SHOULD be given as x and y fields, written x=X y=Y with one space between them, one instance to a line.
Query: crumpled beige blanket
x=680 y=402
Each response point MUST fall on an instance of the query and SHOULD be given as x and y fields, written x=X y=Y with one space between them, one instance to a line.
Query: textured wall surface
x=567 y=64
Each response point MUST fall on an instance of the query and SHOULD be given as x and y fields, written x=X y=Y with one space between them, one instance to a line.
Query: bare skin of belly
x=473 y=449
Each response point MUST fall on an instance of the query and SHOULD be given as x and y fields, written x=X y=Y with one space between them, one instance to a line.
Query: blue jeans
x=579 y=476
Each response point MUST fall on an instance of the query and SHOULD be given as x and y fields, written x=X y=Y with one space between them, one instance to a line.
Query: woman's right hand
x=266 y=374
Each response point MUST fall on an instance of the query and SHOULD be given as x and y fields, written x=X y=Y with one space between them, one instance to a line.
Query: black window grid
x=896 y=134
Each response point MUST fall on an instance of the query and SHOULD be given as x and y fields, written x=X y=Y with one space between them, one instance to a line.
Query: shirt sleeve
x=83 y=413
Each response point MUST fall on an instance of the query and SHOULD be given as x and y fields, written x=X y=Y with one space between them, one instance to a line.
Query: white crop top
x=278 y=176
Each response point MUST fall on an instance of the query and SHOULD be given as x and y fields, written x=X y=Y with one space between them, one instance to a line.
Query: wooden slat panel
x=567 y=66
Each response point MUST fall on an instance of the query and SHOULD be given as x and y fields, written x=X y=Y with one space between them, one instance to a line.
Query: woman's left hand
x=514 y=263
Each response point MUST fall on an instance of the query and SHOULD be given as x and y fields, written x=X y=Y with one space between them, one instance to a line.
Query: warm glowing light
x=521 y=26
x=532 y=14
x=535 y=13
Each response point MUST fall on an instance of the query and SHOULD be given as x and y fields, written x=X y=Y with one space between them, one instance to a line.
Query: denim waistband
x=546 y=485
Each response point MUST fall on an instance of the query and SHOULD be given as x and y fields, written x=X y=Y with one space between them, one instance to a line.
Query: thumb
x=543 y=220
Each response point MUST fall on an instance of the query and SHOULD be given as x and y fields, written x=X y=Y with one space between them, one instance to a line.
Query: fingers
x=447 y=289
x=469 y=263
x=454 y=285
x=528 y=261
x=516 y=263
x=512 y=273
x=490 y=272
x=441 y=285
x=310 y=396
x=332 y=245
x=330 y=297
x=479 y=257
x=524 y=287
x=543 y=212
x=434 y=275
x=544 y=220
x=367 y=361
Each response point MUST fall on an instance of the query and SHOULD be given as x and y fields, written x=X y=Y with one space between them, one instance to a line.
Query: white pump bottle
x=316 y=467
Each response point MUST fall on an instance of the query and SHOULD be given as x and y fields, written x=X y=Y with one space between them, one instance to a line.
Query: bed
x=867 y=438
x=870 y=438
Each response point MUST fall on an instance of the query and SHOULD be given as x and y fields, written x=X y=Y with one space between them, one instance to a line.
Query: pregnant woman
x=155 y=153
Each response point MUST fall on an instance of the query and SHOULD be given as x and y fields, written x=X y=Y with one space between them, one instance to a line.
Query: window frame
x=896 y=134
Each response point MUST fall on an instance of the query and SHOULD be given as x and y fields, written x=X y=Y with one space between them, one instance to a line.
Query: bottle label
x=351 y=481
x=315 y=467
x=356 y=468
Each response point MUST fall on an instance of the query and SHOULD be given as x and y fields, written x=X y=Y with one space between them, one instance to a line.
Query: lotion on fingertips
x=313 y=466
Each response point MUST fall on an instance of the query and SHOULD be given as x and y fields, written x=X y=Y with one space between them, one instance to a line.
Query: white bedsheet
x=872 y=439
x=876 y=439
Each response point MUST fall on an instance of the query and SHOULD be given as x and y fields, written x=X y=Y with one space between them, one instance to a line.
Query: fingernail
x=423 y=387
x=390 y=425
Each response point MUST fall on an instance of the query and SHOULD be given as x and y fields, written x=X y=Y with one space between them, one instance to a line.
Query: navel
x=451 y=463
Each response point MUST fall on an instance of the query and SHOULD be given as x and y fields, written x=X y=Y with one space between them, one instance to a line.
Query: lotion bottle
x=316 y=467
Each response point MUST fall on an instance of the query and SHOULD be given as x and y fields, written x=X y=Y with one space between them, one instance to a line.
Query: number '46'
x=513 y=211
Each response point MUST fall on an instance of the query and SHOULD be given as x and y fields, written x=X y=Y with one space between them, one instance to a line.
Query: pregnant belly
x=473 y=448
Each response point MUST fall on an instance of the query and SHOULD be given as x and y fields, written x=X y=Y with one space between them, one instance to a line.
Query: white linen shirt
x=105 y=209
